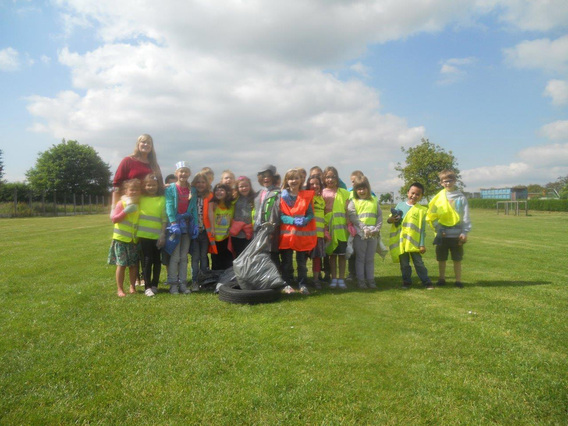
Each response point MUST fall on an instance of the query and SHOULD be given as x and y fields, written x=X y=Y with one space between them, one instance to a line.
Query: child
x=228 y=178
x=209 y=173
x=367 y=218
x=241 y=228
x=199 y=246
x=220 y=215
x=407 y=236
x=336 y=200
x=170 y=179
x=318 y=253
x=351 y=273
x=266 y=207
x=151 y=232
x=124 y=248
x=448 y=214
x=297 y=229
x=180 y=219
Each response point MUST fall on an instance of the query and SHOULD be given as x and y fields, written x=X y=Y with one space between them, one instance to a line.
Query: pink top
x=183 y=198
x=130 y=168
x=329 y=198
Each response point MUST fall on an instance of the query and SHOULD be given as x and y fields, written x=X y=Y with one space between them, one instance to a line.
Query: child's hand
x=422 y=249
x=326 y=235
x=161 y=241
x=131 y=208
x=463 y=239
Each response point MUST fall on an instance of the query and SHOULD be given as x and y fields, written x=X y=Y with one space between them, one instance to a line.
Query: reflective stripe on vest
x=319 y=207
x=406 y=237
x=125 y=231
x=294 y=237
x=366 y=210
x=151 y=212
x=337 y=220
x=223 y=219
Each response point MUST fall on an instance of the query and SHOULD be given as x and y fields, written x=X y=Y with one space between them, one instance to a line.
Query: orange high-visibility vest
x=295 y=237
x=207 y=223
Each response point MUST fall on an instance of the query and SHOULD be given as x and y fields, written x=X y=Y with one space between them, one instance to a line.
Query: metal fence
x=29 y=204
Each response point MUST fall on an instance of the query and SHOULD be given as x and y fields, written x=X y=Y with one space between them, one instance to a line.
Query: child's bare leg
x=133 y=275
x=120 y=272
x=342 y=262
x=442 y=270
x=458 y=271
x=333 y=265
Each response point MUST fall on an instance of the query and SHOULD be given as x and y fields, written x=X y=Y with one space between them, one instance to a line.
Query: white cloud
x=221 y=111
x=537 y=15
x=9 y=59
x=452 y=70
x=543 y=54
x=558 y=91
x=557 y=130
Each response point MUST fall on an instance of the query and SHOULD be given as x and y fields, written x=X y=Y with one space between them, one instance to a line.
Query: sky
x=237 y=84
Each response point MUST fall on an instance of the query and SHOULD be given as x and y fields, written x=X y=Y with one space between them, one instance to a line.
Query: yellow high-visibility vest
x=152 y=216
x=125 y=231
x=405 y=238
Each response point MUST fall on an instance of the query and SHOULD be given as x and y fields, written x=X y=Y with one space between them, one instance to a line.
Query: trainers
x=362 y=285
x=371 y=284
x=155 y=290
x=441 y=283
x=406 y=286
x=459 y=284
x=304 y=290
x=174 y=288
x=317 y=285
x=288 y=290
x=149 y=292
x=333 y=283
x=341 y=285
x=428 y=286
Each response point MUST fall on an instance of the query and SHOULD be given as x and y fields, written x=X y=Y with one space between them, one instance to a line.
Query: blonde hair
x=128 y=183
x=447 y=174
x=203 y=176
x=208 y=171
x=288 y=175
x=152 y=158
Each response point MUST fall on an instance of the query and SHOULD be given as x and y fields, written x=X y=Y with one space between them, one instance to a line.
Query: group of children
x=316 y=217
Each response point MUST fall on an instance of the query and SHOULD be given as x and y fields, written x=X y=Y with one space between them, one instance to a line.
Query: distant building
x=513 y=194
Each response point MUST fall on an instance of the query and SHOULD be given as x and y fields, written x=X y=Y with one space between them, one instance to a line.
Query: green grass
x=493 y=352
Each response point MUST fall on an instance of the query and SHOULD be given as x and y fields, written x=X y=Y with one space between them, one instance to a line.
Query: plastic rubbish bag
x=253 y=268
x=382 y=250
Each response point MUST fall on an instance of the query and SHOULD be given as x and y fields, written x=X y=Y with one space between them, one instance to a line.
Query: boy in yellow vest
x=448 y=214
x=407 y=235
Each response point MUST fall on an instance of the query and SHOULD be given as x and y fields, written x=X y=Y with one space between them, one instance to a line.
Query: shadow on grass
x=504 y=283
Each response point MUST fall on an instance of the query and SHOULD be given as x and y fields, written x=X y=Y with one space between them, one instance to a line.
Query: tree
x=423 y=163
x=70 y=168
x=559 y=187
x=385 y=198
x=1 y=165
x=535 y=188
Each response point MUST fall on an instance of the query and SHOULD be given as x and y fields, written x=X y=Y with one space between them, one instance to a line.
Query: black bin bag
x=253 y=268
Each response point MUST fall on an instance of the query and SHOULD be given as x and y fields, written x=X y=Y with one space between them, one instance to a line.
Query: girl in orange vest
x=297 y=229
x=220 y=216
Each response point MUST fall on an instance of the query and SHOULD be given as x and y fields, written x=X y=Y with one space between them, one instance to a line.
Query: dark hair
x=316 y=177
x=168 y=177
x=417 y=185
x=228 y=199
x=361 y=182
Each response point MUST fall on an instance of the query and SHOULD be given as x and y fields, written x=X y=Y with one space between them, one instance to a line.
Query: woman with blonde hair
x=138 y=165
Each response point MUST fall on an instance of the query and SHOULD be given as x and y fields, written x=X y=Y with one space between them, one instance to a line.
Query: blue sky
x=237 y=84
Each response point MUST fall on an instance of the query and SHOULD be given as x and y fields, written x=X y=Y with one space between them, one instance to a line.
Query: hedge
x=541 y=205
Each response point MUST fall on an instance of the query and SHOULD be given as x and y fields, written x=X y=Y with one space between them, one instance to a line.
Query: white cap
x=181 y=165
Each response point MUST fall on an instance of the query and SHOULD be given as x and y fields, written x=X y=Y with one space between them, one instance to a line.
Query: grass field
x=493 y=352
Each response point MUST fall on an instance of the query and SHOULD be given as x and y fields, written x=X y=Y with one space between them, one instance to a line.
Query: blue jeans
x=199 y=259
x=406 y=269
